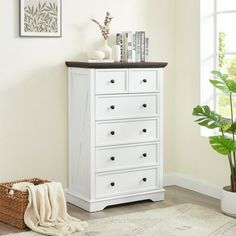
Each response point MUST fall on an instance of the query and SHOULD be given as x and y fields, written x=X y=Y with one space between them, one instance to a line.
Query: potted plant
x=225 y=141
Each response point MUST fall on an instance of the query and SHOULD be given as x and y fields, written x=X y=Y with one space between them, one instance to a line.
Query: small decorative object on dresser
x=116 y=55
x=40 y=18
x=96 y=55
x=115 y=133
x=105 y=30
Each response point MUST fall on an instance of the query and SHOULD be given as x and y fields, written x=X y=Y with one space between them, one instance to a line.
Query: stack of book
x=134 y=46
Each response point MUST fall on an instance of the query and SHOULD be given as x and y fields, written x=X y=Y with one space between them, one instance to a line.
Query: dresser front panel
x=110 y=133
x=115 y=134
x=126 y=182
x=127 y=157
x=126 y=106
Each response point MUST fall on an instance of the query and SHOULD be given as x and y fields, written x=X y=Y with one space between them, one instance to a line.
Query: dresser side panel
x=80 y=130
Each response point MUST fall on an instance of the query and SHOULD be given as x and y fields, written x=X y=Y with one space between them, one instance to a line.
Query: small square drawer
x=126 y=106
x=111 y=81
x=123 y=132
x=127 y=156
x=126 y=182
x=143 y=81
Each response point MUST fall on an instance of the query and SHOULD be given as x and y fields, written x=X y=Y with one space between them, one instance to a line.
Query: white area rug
x=181 y=220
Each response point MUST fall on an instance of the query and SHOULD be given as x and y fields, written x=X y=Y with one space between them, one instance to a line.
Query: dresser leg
x=157 y=197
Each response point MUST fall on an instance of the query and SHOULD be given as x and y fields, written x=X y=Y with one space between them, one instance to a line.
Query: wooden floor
x=173 y=196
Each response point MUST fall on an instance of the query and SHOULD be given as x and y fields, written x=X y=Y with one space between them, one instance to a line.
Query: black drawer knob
x=112 y=184
x=144 y=130
x=112 y=132
x=112 y=81
x=112 y=107
x=144 y=154
x=144 y=105
x=113 y=158
x=144 y=179
x=144 y=81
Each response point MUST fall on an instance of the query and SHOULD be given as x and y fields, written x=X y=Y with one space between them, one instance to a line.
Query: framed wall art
x=40 y=18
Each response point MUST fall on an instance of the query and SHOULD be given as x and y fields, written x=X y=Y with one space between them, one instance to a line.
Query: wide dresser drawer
x=111 y=107
x=127 y=157
x=127 y=182
x=122 y=132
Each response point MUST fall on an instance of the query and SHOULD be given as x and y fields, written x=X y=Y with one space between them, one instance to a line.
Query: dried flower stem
x=105 y=30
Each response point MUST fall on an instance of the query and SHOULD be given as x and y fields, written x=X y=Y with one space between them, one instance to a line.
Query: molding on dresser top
x=113 y=65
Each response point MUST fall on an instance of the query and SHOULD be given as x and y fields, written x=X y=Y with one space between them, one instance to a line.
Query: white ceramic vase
x=228 y=202
x=106 y=49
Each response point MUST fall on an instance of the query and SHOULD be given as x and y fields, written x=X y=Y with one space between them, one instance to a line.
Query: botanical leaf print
x=42 y=17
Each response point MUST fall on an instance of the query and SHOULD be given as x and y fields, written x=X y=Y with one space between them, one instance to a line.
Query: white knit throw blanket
x=46 y=212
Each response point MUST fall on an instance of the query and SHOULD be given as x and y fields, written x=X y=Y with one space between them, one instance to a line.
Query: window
x=218 y=50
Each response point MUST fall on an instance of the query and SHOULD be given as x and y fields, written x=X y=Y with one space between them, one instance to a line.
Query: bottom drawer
x=127 y=182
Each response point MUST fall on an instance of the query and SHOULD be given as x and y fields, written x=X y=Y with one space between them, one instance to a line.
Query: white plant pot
x=228 y=202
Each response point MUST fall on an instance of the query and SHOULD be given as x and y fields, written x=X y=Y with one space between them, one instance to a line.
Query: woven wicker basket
x=14 y=202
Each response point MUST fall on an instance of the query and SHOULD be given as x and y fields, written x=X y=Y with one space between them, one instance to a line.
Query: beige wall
x=192 y=154
x=33 y=86
x=33 y=81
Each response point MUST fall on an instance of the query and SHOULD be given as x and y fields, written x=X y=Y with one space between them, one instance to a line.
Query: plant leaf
x=217 y=73
x=223 y=83
x=231 y=85
x=230 y=128
x=222 y=145
x=209 y=119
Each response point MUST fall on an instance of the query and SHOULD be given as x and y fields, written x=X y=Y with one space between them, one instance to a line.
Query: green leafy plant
x=224 y=143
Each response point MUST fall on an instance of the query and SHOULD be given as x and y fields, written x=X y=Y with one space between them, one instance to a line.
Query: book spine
x=146 y=48
x=133 y=47
x=129 y=46
x=119 y=41
x=138 y=52
x=124 y=42
x=142 y=46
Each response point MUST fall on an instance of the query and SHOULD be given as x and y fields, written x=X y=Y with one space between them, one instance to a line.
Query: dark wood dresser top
x=114 y=65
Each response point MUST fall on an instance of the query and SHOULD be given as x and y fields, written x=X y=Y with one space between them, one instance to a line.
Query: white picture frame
x=40 y=18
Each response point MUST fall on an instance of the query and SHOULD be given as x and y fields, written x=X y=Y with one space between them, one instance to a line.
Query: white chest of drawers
x=115 y=133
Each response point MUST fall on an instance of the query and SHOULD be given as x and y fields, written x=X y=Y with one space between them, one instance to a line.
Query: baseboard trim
x=196 y=185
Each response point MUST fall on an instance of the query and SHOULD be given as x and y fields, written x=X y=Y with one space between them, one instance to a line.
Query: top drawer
x=143 y=81
x=111 y=81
